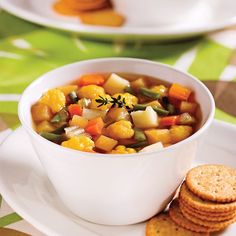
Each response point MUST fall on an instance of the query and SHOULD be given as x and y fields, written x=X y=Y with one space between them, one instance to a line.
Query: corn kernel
x=123 y=150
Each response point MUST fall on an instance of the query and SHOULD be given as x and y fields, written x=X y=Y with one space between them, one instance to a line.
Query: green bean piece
x=171 y=109
x=149 y=93
x=60 y=130
x=62 y=115
x=73 y=97
x=137 y=145
x=138 y=107
x=128 y=89
x=52 y=137
x=139 y=135
x=158 y=110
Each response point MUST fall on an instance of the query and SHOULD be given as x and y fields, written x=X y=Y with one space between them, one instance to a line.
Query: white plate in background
x=207 y=17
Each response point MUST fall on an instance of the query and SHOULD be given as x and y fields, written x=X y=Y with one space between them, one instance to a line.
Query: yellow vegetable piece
x=123 y=150
x=115 y=84
x=180 y=132
x=138 y=83
x=105 y=143
x=91 y=91
x=158 y=135
x=130 y=100
x=94 y=104
x=78 y=121
x=41 y=112
x=45 y=126
x=55 y=99
x=120 y=130
x=68 y=89
x=161 y=89
x=81 y=143
x=118 y=113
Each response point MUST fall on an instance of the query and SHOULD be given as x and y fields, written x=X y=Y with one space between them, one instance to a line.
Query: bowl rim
x=194 y=136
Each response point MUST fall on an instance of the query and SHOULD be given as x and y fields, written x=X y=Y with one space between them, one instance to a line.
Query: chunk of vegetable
x=81 y=143
x=179 y=92
x=91 y=91
x=149 y=93
x=187 y=107
x=138 y=83
x=158 y=110
x=45 y=126
x=145 y=119
x=105 y=143
x=93 y=113
x=130 y=100
x=52 y=137
x=95 y=105
x=73 y=97
x=61 y=116
x=116 y=114
x=115 y=84
x=121 y=149
x=68 y=89
x=41 y=112
x=78 y=121
x=96 y=79
x=153 y=147
x=158 y=135
x=75 y=109
x=138 y=144
x=168 y=121
x=180 y=132
x=186 y=119
x=139 y=135
x=120 y=130
x=55 y=99
x=95 y=126
x=160 y=89
x=73 y=131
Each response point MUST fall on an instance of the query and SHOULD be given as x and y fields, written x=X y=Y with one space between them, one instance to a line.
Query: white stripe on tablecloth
x=229 y=73
x=186 y=60
x=10 y=97
x=10 y=55
x=226 y=38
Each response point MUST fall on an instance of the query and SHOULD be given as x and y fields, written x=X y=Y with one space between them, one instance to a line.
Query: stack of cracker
x=207 y=199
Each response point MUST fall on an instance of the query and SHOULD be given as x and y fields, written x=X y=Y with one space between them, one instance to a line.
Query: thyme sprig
x=119 y=101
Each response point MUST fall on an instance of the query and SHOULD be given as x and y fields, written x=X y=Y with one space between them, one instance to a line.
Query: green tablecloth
x=28 y=50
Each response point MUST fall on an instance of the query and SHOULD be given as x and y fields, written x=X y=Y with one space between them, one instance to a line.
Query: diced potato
x=105 y=143
x=145 y=119
x=153 y=147
x=55 y=99
x=120 y=130
x=41 y=112
x=45 y=126
x=138 y=83
x=180 y=132
x=188 y=107
x=91 y=91
x=115 y=84
x=116 y=114
x=158 y=135
x=90 y=114
x=78 y=121
x=154 y=104
x=68 y=89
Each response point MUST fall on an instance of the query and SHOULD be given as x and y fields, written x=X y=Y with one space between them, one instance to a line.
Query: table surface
x=28 y=50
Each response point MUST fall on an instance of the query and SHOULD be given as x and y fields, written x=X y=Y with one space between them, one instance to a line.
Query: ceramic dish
x=207 y=17
x=29 y=192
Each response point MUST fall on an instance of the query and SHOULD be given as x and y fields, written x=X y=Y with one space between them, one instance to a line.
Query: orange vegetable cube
x=179 y=92
x=75 y=109
x=95 y=126
x=96 y=79
x=105 y=143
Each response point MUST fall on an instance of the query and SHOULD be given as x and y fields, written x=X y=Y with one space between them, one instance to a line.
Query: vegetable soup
x=116 y=114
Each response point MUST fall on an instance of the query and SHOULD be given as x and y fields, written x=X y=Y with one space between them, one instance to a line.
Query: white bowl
x=115 y=189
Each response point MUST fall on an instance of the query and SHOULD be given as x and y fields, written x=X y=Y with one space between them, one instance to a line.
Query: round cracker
x=177 y=216
x=207 y=213
x=213 y=182
x=209 y=217
x=212 y=224
x=195 y=202
x=162 y=225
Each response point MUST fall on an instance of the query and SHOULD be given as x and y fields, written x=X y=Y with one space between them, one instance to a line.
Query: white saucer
x=207 y=17
x=28 y=191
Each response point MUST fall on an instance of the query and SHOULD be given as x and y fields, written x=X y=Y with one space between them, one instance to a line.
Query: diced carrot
x=179 y=92
x=89 y=79
x=75 y=109
x=168 y=121
x=95 y=126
